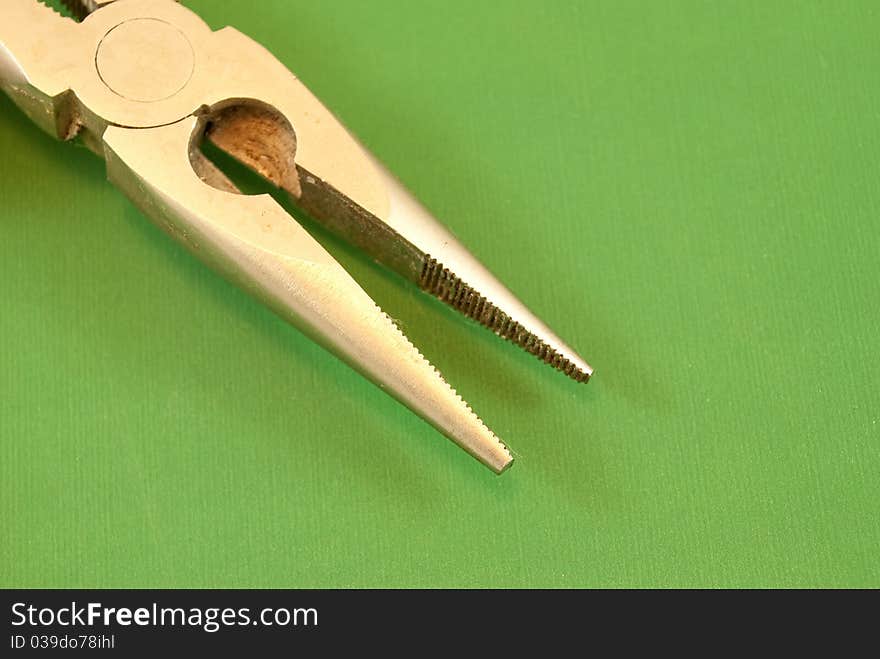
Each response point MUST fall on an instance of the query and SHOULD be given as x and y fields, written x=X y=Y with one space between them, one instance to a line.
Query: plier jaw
x=143 y=82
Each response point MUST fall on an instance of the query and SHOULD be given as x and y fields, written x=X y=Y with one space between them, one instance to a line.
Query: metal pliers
x=143 y=82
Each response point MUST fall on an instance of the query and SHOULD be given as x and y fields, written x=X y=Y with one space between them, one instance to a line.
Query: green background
x=688 y=192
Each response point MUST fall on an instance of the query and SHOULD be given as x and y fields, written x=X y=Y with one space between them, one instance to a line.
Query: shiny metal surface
x=142 y=82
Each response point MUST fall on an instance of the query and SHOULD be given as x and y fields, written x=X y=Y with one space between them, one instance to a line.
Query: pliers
x=143 y=83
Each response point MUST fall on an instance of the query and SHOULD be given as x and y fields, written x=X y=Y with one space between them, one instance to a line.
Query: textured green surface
x=689 y=192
